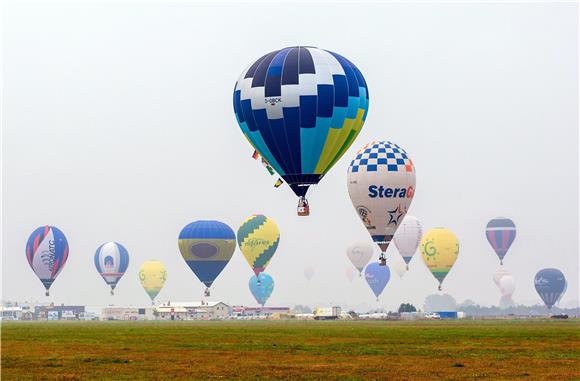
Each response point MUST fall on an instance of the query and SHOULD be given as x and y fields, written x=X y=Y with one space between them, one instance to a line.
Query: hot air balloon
x=381 y=184
x=499 y=273
x=398 y=264
x=152 y=275
x=550 y=285
x=301 y=108
x=377 y=277
x=407 y=238
x=261 y=287
x=507 y=285
x=309 y=272
x=350 y=274
x=360 y=254
x=111 y=261
x=500 y=233
x=207 y=247
x=258 y=238
x=439 y=248
x=47 y=252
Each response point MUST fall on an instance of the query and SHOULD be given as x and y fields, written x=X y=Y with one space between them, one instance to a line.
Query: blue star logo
x=395 y=215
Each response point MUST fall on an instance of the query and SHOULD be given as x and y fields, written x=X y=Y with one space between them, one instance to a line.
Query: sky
x=117 y=125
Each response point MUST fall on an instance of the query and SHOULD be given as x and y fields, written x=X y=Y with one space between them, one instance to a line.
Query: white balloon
x=381 y=185
x=407 y=238
x=506 y=301
x=498 y=274
x=397 y=264
x=507 y=285
x=309 y=272
x=350 y=273
x=360 y=254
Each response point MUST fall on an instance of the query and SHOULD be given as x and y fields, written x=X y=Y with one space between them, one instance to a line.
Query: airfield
x=532 y=349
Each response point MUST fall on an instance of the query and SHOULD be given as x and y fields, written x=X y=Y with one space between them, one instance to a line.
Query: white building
x=170 y=311
x=196 y=310
x=128 y=313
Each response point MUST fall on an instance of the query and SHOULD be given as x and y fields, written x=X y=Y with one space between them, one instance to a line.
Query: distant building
x=195 y=310
x=169 y=311
x=62 y=312
x=128 y=313
x=265 y=312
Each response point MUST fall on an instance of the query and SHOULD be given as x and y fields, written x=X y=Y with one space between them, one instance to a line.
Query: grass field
x=291 y=350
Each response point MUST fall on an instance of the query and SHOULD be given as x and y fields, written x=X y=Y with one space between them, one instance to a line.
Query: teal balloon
x=261 y=287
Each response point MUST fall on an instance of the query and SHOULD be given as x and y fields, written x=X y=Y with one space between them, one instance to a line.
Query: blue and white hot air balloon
x=47 y=252
x=377 y=277
x=550 y=285
x=111 y=261
x=301 y=108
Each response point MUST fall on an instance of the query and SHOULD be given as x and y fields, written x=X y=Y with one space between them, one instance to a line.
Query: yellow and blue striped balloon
x=258 y=238
x=207 y=247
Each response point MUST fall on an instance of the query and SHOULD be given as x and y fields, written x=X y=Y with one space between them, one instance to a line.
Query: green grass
x=454 y=350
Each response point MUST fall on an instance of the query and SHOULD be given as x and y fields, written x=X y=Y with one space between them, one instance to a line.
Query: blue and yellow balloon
x=301 y=108
x=207 y=247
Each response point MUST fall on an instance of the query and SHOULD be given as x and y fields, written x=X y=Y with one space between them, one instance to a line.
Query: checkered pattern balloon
x=381 y=156
x=381 y=185
x=301 y=108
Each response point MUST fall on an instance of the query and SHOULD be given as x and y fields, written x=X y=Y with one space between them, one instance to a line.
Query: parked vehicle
x=327 y=313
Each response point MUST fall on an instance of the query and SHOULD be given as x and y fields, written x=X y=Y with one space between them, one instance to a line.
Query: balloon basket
x=303 y=208
x=46 y=293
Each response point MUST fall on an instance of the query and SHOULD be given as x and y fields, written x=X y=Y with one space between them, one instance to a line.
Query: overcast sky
x=118 y=125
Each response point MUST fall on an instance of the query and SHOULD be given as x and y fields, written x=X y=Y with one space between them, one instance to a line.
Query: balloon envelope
x=407 y=237
x=111 y=261
x=550 y=285
x=350 y=273
x=507 y=285
x=207 y=247
x=258 y=238
x=498 y=274
x=381 y=185
x=500 y=233
x=309 y=272
x=152 y=275
x=398 y=265
x=360 y=254
x=377 y=277
x=261 y=287
x=47 y=252
x=439 y=249
x=301 y=108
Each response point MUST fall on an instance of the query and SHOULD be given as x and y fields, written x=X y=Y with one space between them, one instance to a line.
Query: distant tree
x=300 y=309
x=407 y=307
x=438 y=302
